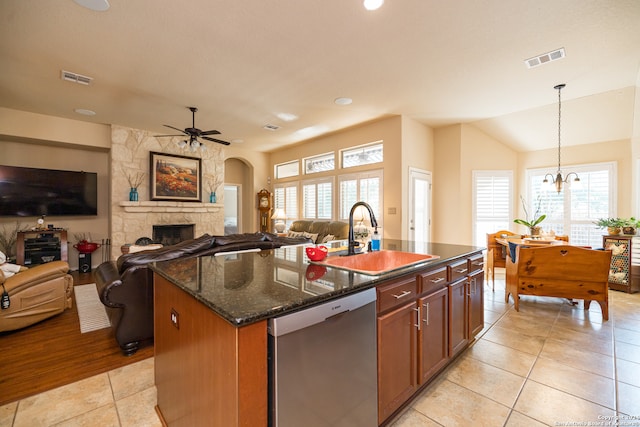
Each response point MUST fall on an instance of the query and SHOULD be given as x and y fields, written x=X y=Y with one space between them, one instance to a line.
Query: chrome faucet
x=351 y=250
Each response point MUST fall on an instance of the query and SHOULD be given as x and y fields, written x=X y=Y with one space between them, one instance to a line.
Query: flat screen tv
x=37 y=192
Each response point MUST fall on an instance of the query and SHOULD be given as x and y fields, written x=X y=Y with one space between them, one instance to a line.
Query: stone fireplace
x=131 y=220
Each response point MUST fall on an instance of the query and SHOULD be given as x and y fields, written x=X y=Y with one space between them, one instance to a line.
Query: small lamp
x=279 y=216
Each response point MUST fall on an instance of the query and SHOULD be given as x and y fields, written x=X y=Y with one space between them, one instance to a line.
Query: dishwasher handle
x=288 y=323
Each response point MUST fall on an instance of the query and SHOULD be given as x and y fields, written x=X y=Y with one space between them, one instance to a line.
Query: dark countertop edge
x=318 y=299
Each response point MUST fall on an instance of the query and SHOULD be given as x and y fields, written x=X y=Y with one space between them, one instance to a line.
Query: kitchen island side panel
x=207 y=371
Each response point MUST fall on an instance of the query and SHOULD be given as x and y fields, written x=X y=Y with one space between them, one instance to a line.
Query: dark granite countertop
x=247 y=287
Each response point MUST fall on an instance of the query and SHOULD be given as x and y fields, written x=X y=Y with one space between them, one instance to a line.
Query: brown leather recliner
x=36 y=294
x=126 y=286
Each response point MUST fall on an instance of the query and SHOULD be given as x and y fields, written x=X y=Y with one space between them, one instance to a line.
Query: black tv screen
x=37 y=192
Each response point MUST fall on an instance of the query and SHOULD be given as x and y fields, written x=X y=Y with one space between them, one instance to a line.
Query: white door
x=232 y=209
x=419 y=205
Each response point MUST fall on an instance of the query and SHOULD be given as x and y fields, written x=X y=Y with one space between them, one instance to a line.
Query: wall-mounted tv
x=37 y=192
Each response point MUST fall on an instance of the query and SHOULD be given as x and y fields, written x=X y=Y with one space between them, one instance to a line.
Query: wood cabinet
x=458 y=324
x=433 y=339
x=476 y=302
x=624 y=274
x=41 y=246
x=207 y=371
x=423 y=321
x=397 y=341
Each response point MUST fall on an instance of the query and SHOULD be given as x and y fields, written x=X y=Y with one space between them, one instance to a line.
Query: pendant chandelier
x=558 y=180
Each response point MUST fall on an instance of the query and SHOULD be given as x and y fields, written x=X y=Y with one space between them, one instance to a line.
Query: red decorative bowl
x=317 y=253
x=85 y=247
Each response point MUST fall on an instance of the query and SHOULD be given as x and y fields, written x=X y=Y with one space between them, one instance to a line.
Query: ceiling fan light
x=182 y=144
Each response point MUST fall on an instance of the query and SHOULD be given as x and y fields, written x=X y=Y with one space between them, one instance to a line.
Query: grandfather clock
x=264 y=207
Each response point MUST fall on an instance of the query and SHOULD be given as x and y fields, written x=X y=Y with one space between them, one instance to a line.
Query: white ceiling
x=242 y=62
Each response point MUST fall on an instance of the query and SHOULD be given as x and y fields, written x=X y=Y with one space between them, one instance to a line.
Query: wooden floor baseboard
x=53 y=353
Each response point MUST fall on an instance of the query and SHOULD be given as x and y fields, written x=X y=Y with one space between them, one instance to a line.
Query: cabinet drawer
x=432 y=280
x=458 y=270
x=396 y=293
x=476 y=262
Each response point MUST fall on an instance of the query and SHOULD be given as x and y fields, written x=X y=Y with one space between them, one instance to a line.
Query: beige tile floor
x=550 y=364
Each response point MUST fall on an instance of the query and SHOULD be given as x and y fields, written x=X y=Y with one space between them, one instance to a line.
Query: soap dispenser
x=375 y=240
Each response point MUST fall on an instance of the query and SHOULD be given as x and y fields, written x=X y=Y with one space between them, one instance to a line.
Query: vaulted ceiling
x=246 y=64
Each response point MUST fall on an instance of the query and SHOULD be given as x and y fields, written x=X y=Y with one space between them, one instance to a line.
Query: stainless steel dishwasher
x=323 y=364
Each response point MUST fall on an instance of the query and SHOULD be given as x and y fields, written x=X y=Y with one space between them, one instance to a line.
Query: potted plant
x=532 y=223
x=613 y=225
x=630 y=225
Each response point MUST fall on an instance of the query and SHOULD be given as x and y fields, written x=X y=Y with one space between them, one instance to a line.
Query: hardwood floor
x=53 y=353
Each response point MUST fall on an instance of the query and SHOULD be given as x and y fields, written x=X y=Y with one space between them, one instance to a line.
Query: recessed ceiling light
x=373 y=4
x=343 y=101
x=97 y=5
x=287 y=117
x=85 y=112
x=237 y=141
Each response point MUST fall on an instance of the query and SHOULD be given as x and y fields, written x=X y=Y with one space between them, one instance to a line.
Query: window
x=366 y=187
x=574 y=210
x=287 y=170
x=362 y=155
x=492 y=203
x=317 y=199
x=285 y=197
x=322 y=163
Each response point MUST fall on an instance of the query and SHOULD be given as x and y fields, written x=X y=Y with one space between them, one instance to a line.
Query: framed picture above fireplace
x=176 y=178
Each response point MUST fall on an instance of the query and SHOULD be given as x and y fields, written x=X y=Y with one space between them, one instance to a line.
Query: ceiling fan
x=194 y=133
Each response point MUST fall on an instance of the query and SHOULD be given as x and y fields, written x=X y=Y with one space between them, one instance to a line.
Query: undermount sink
x=376 y=263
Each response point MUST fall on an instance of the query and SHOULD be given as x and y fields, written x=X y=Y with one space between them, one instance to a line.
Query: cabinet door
x=433 y=351
x=397 y=338
x=458 y=325
x=476 y=302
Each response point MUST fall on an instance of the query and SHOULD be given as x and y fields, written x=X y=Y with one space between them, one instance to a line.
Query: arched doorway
x=238 y=190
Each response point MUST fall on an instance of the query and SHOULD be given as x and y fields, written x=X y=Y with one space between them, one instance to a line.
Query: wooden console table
x=41 y=246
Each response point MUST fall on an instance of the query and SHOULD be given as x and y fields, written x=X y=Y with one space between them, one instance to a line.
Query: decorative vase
x=212 y=197
x=535 y=231
x=133 y=194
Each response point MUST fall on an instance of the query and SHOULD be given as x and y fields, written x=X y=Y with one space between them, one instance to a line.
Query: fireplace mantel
x=170 y=207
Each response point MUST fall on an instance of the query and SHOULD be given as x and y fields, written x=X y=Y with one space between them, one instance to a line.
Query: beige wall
x=68 y=157
x=451 y=153
x=389 y=130
x=416 y=152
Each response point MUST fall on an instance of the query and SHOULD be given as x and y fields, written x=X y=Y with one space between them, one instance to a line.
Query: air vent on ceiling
x=76 y=78
x=545 y=58
x=271 y=127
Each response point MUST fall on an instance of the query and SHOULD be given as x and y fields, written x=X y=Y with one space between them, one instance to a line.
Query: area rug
x=91 y=312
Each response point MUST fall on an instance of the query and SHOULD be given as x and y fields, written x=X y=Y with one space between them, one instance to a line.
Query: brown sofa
x=36 y=294
x=320 y=231
x=126 y=286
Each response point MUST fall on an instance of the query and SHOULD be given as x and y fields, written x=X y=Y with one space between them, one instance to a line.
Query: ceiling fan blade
x=210 y=132
x=159 y=136
x=175 y=128
x=219 y=141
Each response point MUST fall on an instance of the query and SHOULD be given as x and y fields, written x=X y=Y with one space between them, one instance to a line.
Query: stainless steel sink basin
x=376 y=263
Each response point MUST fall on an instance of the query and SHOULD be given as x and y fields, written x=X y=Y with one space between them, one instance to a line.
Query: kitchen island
x=211 y=315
